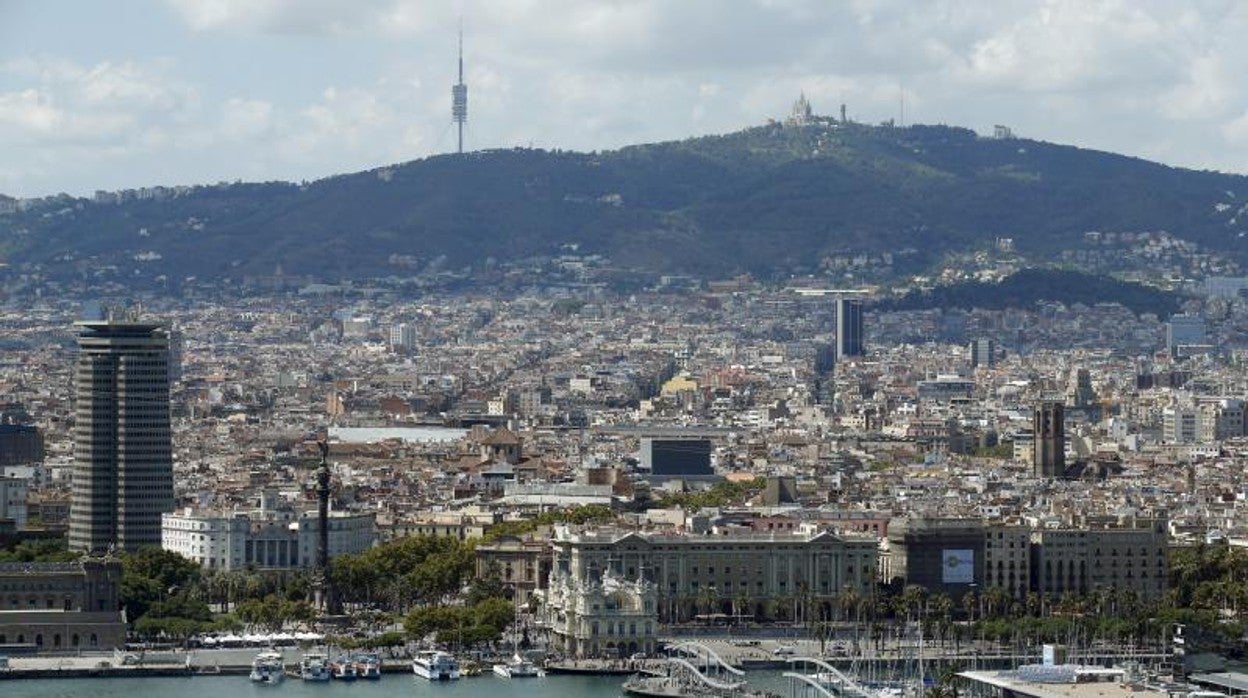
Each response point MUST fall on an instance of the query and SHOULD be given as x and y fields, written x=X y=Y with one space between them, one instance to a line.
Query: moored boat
x=435 y=666
x=368 y=666
x=267 y=668
x=518 y=668
x=343 y=669
x=315 y=667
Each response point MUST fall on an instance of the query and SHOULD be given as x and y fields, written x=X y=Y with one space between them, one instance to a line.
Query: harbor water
x=406 y=685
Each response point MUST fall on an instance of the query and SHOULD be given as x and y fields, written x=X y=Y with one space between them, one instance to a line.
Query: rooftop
x=1092 y=682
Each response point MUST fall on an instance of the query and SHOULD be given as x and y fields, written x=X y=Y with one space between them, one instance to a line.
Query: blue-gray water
x=555 y=686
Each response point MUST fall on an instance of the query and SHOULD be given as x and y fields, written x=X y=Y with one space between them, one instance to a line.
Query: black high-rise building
x=848 y=327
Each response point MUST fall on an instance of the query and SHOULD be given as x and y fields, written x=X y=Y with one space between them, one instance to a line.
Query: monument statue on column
x=325 y=599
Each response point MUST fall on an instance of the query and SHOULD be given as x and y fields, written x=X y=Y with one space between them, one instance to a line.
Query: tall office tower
x=983 y=353
x=123 y=453
x=1049 y=432
x=848 y=327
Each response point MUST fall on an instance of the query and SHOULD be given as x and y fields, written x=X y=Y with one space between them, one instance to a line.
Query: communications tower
x=459 y=95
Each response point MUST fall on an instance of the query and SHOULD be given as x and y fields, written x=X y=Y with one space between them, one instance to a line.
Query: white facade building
x=217 y=540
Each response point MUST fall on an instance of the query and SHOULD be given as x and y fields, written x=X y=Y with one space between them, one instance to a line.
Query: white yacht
x=435 y=666
x=315 y=667
x=518 y=668
x=267 y=668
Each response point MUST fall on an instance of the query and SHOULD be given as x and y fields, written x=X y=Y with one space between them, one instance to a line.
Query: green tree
x=404 y=571
x=41 y=550
x=489 y=585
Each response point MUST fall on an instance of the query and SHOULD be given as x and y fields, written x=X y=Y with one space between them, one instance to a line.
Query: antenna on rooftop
x=459 y=94
x=901 y=98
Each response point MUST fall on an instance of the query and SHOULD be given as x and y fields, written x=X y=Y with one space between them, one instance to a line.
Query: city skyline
x=188 y=93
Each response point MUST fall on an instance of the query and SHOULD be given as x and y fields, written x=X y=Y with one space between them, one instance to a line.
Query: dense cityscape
x=838 y=404
x=599 y=472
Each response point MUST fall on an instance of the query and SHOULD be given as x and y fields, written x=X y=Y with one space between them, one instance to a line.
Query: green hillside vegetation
x=770 y=200
x=1030 y=286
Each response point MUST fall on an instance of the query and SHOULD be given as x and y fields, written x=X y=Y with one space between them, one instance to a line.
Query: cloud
x=29 y=111
x=246 y=119
x=314 y=18
x=105 y=103
x=330 y=86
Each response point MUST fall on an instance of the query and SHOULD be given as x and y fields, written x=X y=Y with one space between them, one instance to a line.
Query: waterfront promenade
x=742 y=653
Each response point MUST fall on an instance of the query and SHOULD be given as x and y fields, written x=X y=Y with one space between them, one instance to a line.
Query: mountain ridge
x=771 y=200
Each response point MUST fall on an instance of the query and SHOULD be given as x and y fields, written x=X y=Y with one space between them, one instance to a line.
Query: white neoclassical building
x=262 y=540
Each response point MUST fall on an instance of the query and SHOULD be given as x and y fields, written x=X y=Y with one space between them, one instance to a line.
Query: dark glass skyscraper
x=123 y=453
x=848 y=328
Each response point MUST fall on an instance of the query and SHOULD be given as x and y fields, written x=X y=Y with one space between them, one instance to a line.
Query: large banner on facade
x=958 y=567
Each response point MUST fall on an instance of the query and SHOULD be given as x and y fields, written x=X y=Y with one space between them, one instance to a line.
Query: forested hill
x=1030 y=286
x=770 y=200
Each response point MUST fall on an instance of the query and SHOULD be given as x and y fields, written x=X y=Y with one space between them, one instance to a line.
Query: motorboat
x=267 y=668
x=315 y=667
x=368 y=666
x=518 y=668
x=343 y=669
x=435 y=666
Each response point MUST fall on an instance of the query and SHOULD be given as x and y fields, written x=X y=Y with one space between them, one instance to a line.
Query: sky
x=129 y=93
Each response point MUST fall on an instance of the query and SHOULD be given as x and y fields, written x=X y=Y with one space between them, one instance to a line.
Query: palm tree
x=740 y=604
x=996 y=602
x=912 y=601
x=706 y=597
x=969 y=603
x=848 y=600
x=941 y=606
x=1034 y=604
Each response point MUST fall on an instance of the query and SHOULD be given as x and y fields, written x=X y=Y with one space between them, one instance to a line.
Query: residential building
x=1180 y=425
x=522 y=565
x=403 y=338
